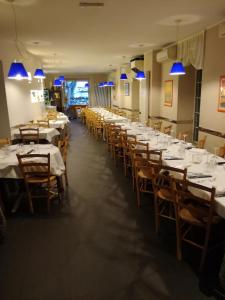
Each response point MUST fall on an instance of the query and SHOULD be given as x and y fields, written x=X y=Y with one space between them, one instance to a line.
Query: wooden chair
x=4 y=141
x=157 y=125
x=146 y=167
x=183 y=135
x=29 y=135
x=201 y=142
x=167 y=129
x=43 y=123
x=39 y=182
x=195 y=212
x=165 y=194
x=63 y=147
x=221 y=151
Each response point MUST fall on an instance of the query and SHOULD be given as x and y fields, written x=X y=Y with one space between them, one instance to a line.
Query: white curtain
x=191 y=51
x=102 y=96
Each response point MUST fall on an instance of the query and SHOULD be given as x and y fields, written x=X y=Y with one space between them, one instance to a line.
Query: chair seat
x=196 y=215
x=37 y=179
x=145 y=173
x=165 y=194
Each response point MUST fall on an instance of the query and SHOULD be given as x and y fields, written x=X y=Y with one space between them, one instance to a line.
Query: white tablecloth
x=9 y=163
x=44 y=133
x=58 y=123
x=109 y=117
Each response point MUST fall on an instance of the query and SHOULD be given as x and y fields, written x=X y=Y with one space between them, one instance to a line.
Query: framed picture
x=168 y=93
x=127 y=89
x=221 y=101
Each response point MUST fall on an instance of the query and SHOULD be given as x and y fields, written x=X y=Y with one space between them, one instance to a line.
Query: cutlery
x=221 y=163
x=199 y=176
x=173 y=158
x=29 y=152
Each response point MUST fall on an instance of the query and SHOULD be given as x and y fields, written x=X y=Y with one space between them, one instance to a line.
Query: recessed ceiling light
x=186 y=19
x=141 y=45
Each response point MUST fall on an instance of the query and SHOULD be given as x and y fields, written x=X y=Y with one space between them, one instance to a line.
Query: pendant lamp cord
x=177 y=33
x=16 y=40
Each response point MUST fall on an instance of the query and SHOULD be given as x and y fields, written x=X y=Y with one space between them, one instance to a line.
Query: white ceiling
x=71 y=39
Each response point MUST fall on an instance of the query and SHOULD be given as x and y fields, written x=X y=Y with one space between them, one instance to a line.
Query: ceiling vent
x=137 y=63
x=166 y=54
x=222 y=30
x=91 y=4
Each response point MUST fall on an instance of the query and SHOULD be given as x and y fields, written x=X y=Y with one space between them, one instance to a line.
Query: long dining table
x=47 y=134
x=202 y=166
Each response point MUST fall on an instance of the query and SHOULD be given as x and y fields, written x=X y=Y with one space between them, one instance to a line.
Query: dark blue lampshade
x=87 y=85
x=101 y=84
x=17 y=71
x=123 y=76
x=140 y=75
x=111 y=83
x=39 y=73
x=61 y=78
x=57 y=82
x=177 y=69
x=105 y=83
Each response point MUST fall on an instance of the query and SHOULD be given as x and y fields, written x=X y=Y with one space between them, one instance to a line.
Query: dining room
x=112 y=150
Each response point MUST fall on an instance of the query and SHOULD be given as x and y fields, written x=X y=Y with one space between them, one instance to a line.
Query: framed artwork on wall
x=127 y=89
x=221 y=100
x=168 y=93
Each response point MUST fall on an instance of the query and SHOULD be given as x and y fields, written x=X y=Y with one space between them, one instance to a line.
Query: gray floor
x=98 y=246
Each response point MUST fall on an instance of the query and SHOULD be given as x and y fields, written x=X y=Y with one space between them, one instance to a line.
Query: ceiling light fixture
x=17 y=70
x=61 y=78
x=39 y=74
x=57 y=83
x=111 y=83
x=177 y=67
x=87 y=85
x=140 y=75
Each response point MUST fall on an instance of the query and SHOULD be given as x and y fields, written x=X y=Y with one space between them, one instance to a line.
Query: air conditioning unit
x=137 y=63
x=222 y=30
x=167 y=53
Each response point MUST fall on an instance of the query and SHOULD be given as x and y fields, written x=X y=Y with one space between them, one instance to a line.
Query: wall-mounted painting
x=221 y=101
x=168 y=93
x=126 y=89
x=37 y=96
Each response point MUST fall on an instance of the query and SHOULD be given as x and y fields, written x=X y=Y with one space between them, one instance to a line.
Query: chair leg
x=66 y=178
x=204 y=251
x=138 y=192
x=30 y=200
x=178 y=236
x=157 y=220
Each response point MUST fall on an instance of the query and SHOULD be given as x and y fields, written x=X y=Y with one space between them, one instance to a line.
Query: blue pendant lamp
x=17 y=71
x=39 y=74
x=57 y=83
x=111 y=83
x=105 y=84
x=100 y=84
x=177 y=69
x=61 y=78
x=140 y=75
x=87 y=85
x=123 y=76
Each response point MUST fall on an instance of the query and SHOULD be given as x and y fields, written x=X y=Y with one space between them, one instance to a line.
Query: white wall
x=20 y=108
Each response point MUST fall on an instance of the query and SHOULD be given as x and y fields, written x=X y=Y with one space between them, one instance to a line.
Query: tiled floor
x=99 y=246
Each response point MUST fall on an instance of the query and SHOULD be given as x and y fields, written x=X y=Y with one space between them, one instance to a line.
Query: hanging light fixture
x=87 y=85
x=57 y=83
x=105 y=84
x=177 y=67
x=61 y=78
x=111 y=83
x=100 y=84
x=17 y=70
x=140 y=75
x=123 y=76
x=39 y=74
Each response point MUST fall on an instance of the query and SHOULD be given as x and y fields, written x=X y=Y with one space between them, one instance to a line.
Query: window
x=76 y=92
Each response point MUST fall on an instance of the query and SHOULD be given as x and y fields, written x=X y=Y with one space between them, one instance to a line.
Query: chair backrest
x=201 y=142
x=43 y=123
x=157 y=125
x=222 y=151
x=183 y=135
x=29 y=134
x=167 y=129
x=34 y=165
x=201 y=197
x=167 y=177
x=63 y=147
x=4 y=141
